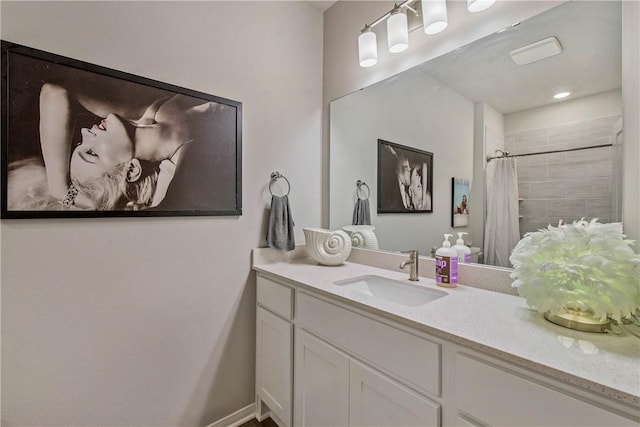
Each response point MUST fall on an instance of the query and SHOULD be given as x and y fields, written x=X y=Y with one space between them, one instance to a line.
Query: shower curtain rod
x=507 y=154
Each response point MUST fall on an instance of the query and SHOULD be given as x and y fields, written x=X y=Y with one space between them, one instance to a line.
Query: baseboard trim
x=239 y=417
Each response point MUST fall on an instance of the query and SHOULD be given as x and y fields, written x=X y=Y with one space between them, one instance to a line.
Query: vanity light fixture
x=434 y=16
x=561 y=95
x=434 y=20
x=367 y=47
x=397 y=31
x=479 y=5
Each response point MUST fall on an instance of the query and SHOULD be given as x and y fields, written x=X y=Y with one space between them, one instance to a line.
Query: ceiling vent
x=536 y=51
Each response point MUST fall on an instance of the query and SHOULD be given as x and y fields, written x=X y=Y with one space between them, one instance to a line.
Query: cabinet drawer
x=274 y=296
x=411 y=359
x=497 y=397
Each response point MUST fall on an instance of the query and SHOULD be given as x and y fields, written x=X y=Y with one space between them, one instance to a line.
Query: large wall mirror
x=476 y=102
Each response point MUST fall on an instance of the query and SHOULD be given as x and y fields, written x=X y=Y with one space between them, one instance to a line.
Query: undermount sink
x=391 y=290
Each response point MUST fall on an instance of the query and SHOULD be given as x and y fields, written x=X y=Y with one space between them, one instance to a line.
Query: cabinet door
x=376 y=400
x=498 y=397
x=273 y=363
x=321 y=383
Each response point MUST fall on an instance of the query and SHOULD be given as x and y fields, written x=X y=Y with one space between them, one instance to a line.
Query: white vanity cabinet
x=334 y=364
x=274 y=350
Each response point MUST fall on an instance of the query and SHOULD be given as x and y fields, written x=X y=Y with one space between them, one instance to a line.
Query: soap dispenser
x=464 y=252
x=446 y=264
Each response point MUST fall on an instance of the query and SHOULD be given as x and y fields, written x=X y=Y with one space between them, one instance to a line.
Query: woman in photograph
x=396 y=178
x=419 y=195
x=123 y=161
x=462 y=209
x=412 y=184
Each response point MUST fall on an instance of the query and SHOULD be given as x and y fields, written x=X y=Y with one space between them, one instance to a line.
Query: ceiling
x=590 y=62
x=321 y=4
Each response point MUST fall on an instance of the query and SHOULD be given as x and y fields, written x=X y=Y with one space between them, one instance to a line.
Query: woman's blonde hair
x=112 y=191
x=27 y=189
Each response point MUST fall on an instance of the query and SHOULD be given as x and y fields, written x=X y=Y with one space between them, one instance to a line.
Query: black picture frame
x=405 y=179
x=205 y=129
x=460 y=201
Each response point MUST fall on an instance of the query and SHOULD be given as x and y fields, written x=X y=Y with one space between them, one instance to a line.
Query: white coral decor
x=587 y=266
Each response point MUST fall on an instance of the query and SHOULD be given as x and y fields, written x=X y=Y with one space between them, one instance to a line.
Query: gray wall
x=566 y=185
x=150 y=321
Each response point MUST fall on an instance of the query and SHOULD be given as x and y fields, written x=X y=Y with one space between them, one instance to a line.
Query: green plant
x=586 y=266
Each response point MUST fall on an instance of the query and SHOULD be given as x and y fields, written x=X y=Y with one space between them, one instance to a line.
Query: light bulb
x=367 y=48
x=434 y=16
x=397 y=31
x=479 y=5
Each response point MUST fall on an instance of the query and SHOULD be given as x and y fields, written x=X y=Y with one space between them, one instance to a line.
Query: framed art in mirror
x=405 y=179
x=82 y=140
x=460 y=202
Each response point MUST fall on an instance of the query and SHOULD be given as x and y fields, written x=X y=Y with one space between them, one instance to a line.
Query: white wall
x=150 y=321
x=603 y=104
x=413 y=111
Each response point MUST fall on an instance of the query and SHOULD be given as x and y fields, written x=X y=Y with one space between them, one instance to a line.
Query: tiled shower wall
x=569 y=185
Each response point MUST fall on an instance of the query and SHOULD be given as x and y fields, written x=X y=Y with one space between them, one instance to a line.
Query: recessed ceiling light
x=561 y=95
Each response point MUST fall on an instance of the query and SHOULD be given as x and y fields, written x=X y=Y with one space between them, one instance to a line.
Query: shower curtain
x=502 y=229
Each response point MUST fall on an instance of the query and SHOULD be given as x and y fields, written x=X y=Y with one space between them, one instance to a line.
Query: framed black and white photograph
x=405 y=179
x=81 y=140
x=460 y=202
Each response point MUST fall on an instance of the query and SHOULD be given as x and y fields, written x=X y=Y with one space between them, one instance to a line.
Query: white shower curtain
x=502 y=229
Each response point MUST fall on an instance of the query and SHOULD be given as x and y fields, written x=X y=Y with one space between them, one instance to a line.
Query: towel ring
x=359 y=185
x=275 y=176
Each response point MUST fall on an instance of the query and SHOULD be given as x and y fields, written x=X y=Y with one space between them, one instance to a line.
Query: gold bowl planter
x=579 y=320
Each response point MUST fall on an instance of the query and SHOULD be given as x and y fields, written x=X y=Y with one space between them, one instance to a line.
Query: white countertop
x=491 y=322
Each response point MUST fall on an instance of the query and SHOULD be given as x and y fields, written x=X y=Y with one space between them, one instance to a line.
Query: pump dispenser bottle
x=464 y=252
x=447 y=264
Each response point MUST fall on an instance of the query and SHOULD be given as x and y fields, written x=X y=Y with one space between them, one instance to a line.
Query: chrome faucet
x=413 y=260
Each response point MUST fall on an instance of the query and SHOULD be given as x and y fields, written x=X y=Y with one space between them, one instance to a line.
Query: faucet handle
x=413 y=253
x=413 y=261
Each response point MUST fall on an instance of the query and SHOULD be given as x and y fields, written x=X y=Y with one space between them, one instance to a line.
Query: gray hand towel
x=280 y=231
x=361 y=215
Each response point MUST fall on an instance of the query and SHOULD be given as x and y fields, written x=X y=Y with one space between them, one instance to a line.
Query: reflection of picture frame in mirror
x=459 y=202
x=405 y=179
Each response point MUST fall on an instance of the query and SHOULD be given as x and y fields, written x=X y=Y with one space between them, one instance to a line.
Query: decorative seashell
x=362 y=236
x=327 y=247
